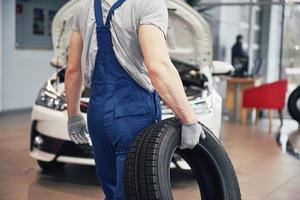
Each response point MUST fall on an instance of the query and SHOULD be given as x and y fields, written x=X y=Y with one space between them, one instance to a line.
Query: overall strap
x=98 y=13
x=112 y=9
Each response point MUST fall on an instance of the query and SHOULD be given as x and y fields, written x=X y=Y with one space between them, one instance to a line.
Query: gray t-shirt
x=124 y=28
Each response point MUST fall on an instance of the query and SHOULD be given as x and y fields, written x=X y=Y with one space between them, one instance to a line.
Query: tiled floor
x=264 y=172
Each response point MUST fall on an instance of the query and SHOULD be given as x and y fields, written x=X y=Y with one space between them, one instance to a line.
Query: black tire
x=53 y=166
x=294 y=110
x=147 y=172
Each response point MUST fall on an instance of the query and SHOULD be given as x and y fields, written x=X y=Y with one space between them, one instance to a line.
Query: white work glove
x=77 y=129
x=190 y=135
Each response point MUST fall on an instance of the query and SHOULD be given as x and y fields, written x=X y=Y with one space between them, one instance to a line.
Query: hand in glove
x=190 y=135
x=77 y=129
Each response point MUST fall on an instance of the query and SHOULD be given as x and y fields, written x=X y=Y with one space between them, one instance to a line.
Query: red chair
x=268 y=96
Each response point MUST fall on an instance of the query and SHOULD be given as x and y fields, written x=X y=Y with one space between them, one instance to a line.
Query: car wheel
x=294 y=104
x=50 y=166
x=147 y=170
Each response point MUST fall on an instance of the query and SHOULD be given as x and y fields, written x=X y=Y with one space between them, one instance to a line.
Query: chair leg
x=244 y=112
x=256 y=115
x=270 y=120
x=280 y=111
x=253 y=115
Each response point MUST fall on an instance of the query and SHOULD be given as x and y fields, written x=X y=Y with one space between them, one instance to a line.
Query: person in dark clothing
x=239 y=57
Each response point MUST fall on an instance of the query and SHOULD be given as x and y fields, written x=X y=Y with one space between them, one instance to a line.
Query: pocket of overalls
x=131 y=107
x=130 y=118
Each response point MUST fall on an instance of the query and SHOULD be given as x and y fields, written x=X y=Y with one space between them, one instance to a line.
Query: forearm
x=73 y=79
x=73 y=88
x=163 y=74
x=168 y=84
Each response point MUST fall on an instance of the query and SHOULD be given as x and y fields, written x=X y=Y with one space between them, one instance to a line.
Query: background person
x=239 y=57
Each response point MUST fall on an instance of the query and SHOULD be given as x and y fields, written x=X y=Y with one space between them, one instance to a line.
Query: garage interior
x=263 y=149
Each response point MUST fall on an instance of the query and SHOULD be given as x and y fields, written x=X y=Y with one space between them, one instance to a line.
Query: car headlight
x=50 y=100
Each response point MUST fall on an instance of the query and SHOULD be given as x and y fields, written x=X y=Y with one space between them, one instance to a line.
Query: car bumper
x=50 y=122
x=48 y=157
x=45 y=148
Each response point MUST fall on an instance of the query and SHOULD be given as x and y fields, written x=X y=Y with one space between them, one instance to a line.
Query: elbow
x=158 y=67
x=72 y=71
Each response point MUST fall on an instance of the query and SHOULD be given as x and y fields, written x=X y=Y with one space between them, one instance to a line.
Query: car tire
x=293 y=108
x=50 y=166
x=147 y=170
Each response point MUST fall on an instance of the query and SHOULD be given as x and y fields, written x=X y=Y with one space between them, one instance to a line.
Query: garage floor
x=264 y=172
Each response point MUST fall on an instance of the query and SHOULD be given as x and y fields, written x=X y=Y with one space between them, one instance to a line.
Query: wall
x=25 y=70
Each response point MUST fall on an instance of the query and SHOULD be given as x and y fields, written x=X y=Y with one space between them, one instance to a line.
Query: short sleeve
x=154 y=12
x=76 y=22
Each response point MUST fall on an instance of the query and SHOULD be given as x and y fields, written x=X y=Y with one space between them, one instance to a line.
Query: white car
x=190 y=47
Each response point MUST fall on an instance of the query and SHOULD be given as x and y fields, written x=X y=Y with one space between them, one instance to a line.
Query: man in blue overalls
x=122 y=102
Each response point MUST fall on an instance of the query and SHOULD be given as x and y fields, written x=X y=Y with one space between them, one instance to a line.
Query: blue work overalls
x=118 y=110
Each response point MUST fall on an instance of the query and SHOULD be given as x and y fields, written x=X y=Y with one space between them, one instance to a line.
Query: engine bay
x=193 y=80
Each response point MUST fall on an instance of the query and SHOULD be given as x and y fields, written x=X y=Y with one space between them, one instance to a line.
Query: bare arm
x=163 y=74
x=73 y=79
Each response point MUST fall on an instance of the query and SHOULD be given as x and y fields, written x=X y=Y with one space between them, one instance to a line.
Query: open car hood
x=189 y=36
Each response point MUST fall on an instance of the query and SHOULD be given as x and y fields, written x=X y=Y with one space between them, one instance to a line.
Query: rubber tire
x=292 y=104
x=147 y=170
x=50 y=166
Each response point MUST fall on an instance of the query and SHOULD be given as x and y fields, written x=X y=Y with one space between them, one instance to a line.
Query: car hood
x=189 y=36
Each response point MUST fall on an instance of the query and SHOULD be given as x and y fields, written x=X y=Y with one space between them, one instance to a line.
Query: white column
x=274 y=44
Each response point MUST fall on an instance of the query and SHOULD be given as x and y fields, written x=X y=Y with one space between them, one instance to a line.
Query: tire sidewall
x=292 y=104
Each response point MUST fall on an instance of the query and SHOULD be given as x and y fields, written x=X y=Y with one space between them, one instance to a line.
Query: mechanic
x=118 y=48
